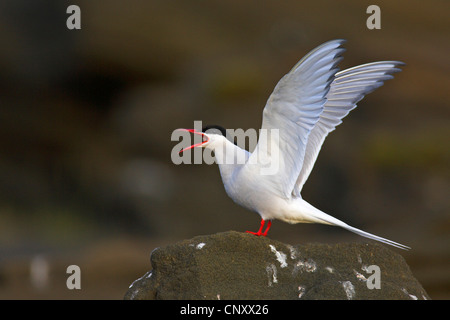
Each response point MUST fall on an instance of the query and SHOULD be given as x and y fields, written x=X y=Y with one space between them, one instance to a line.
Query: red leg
x=260 y=233
x=269 y=224
x=260 y=229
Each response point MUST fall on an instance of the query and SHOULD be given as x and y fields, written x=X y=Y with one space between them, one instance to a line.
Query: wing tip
x=336 y=43
x=339 y=40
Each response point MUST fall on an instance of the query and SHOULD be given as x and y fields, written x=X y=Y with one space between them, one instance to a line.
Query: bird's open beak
x=205 y=139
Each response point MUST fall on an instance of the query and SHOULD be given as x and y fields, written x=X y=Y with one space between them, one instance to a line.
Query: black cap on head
x=214 y=129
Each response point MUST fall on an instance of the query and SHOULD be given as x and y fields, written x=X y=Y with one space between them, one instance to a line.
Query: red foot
x=260 y=233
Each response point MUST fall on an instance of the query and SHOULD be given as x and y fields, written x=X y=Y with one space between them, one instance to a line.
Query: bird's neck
x=230 y=158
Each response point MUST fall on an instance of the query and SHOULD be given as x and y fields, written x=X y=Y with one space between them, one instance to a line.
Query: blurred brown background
x=86 y=118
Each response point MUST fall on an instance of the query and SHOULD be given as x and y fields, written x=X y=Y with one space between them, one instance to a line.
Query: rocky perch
x=234 y=265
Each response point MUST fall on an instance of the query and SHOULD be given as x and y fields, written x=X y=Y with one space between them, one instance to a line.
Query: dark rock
x=234 y=265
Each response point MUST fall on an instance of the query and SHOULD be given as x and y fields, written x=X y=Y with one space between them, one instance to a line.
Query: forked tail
x=374 y=237
x=327 y=219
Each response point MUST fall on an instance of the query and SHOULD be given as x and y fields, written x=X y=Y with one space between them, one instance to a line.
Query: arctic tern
x=305 y=106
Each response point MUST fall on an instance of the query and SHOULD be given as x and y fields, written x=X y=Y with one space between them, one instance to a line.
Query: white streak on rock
x=271 y=274
x=145 y=275
x=304 y=265
x=293 y=252
x=359 y=276
x=413 y=297
x=281 y=257
x=200 y=245
x=349 y=289
x=301 y=291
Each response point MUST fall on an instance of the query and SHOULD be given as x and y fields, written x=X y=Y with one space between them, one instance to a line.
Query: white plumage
x=306 y=104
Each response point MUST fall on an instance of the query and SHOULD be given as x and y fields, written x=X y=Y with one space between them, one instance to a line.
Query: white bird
x=306 y=105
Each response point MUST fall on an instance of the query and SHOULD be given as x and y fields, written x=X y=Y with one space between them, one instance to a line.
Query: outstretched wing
x=347 y=89
x=291 y=112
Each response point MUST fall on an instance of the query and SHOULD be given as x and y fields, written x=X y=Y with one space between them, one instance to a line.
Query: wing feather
x=292 y=110
x=346 y=90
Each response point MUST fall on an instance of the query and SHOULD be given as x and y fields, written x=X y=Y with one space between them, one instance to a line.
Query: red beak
x=197 y=144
